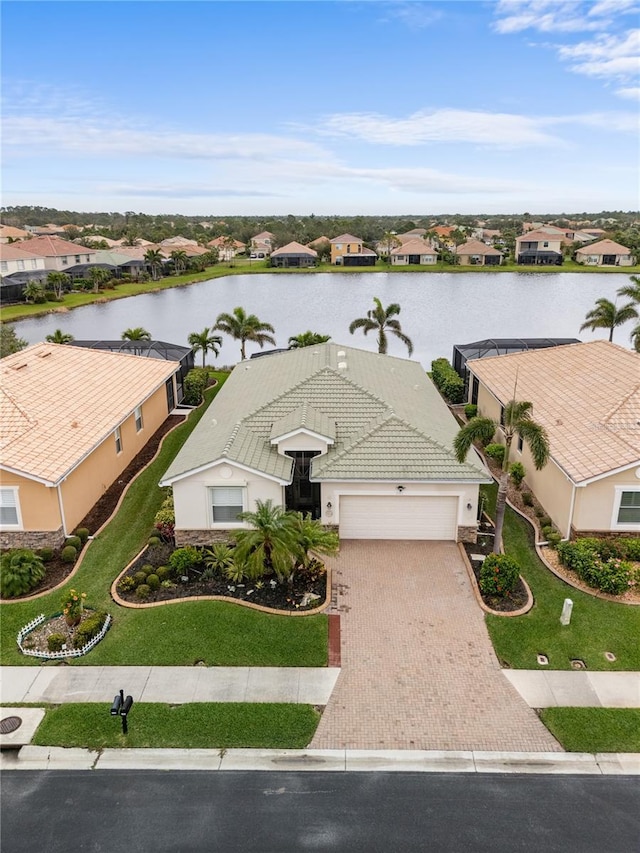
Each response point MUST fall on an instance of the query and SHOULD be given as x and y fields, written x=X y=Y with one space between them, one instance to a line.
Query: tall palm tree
x=204 y=342
x=33 y=292
x=631 y=291
x=606 y=315
x=153 y=257
x=180 y=260
x=136 y=334
x=245 y=327
x=635 y=338
x=271 y=545
x=98 y=276
x=517 y=422
x=57 y=281
x=382 y=320
x=307 y=339
x=59 y=337
x=389 y=241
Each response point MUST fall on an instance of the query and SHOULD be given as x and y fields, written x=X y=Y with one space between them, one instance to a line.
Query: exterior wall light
x=329 y=504
x=469 y=506
x=400 y=489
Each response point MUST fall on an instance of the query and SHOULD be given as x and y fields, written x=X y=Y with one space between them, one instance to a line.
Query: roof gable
x=304 y=417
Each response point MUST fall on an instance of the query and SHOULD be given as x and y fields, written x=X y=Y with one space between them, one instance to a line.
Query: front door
x=302 y=495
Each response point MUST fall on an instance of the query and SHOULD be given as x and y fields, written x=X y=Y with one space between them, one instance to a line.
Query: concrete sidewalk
x=174 y=684
x=578 y=689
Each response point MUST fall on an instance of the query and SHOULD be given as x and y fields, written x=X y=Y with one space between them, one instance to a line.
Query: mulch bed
x=285 y=597
x=484 y=546
x=38 y=638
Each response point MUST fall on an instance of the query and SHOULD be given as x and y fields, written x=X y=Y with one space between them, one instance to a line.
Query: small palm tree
x=204 y=342
x=606 y=315
x=180 y=260
x=98 y=276
x=33 y=292
x=517 y=422
x=59 y=337
x=245 y=327
x=382 y=320
x=307 y=339
x=137 y=334
x=57 y=281
x=271 y=545
x=313 y=537
x=153 y=257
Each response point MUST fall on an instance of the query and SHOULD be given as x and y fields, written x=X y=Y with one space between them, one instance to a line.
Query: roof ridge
x=622 y=402
x=231 y=439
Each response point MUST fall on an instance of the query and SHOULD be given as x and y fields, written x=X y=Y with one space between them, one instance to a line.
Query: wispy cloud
x=611 y=56
x=632 y=93
x=545 y=16
x=412 y=13
x=185 y=191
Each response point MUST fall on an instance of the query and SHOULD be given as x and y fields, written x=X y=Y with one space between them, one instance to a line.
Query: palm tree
x=245 y=327
x=59 y=337
x=180 y=260
x=313 y=537
x=632 y=291
x=606 y=315
x=517 y=422
x=153 y=257
x=204 y=341
x=271 y=545
x=33 y=292
x=382 y=320
x=389 y=241
x=307 y=339
x=57 y=281
x=635 y=338
x=136 y=334
x=98 y=276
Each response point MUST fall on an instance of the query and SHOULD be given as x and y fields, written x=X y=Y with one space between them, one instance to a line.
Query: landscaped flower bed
x=511 y=600
x=55 y=638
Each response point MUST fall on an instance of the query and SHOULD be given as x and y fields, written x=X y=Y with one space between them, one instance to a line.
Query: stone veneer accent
x=604 y=534
x=33 y=539
x=467 y=534
x=201 y=537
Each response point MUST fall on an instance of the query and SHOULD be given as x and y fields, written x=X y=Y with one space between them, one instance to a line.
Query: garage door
x=398 y=517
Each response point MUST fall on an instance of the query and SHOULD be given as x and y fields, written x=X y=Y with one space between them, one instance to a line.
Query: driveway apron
x=418 y=668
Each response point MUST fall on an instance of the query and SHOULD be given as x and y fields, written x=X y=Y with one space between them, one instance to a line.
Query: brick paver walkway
x=418 y=668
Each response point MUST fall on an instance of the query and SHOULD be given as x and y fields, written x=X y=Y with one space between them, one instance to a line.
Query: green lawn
x=178 y=634
x=594 y=729
x=596 y=627
x=223 y=725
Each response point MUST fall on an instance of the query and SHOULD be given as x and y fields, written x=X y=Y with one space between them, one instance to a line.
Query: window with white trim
x=226 y=504
x=4 y=266
x=118 y=437
x=629 y=507
x=520 y=443
x=9 y=515
x=138 y=417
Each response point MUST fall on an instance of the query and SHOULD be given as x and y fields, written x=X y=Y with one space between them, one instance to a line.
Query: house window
x=9 y=514
x=520 y=444
x=88 y=257
x=546 y=244
x=118 y=437
x=501 y=415
x=77 y=259
x=138 y=417
x=629 y=508
x=226 y=504
x=65 y=260
x=34 y=264
x=4 y=266
x=338 y=246
x=20 y=265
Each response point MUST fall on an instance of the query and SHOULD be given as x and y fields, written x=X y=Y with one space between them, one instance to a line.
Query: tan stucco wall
x=38 y=503
x=353 y=248
x=403 y=260
x=191 y=497
x=595 y=503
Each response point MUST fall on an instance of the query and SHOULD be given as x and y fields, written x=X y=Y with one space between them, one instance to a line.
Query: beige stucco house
x=415 y=251
x=350 y=251
x=8 y=232
x=587 y=396
x=72 y=420
x=476 y=253
x=605 y=253
x=362 y=441
x=58 y=254
x=13 y=258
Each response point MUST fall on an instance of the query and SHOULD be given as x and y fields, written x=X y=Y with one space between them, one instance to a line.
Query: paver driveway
x=418 y=668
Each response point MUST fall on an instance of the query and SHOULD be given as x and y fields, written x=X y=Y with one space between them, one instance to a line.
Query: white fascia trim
x=393 y=481
x=611 y=473
x=223 y=460
x=302 y=431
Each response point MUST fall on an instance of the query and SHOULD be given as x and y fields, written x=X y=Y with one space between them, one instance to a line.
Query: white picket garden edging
x=64 y=653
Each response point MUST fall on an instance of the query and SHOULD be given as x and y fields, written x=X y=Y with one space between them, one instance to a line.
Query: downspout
x=571 y=507
x=61 y=507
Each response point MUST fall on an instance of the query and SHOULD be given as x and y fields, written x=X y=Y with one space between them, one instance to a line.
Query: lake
x=438 y=309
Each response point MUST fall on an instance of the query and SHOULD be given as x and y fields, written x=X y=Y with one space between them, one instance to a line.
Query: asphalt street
x=272 y=812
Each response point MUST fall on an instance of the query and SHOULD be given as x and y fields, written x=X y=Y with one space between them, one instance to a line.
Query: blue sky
x=322 y=107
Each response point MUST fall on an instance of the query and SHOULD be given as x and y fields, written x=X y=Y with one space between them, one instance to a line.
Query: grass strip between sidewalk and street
x=223 y=725
x=597 y=626
x=594 y=729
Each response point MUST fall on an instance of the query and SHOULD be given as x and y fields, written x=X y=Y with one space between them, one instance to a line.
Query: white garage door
x=398 y=517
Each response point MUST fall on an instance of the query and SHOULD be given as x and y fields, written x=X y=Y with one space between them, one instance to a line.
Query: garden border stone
x=476 y=591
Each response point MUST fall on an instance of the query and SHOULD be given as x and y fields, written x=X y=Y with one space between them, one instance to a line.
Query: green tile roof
x=387 y=418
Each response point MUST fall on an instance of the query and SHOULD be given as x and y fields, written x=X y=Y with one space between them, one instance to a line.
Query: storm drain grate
x=9 y=724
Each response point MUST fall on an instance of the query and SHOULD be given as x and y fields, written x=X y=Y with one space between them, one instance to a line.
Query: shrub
x=235 y=573
x=69 y=554
x=517 y=473
x=154 y=540
x=46 y=554
x=168 y=584
x=470 y=411
x=545 y=521
x=163 y=572
x=554 y=540
x=74 y=541
x=539 y=512
x=83 y=534
x=612 y=576
x=498 y=575
x=127 y=584
x=184 y=559
x=527 y=498
x=148 y=568
x=143 y=591
x=547 y=531
x=218 y=558
x=632 y=549
x=153 y=582
x=165 y=519
x=88 y=629
x=495 y=451
x=140 y=577
x=55 y=642
x=450 y=385
x=20 y=571
x=195 y=383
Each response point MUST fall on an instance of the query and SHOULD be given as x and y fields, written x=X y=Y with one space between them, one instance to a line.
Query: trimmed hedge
x=498 y=575
x=594 y=562
x=447 y=381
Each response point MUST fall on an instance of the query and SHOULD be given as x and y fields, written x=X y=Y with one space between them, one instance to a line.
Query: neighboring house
x=566 y=235
x=605 y=253
x=263 y=243
x=171 y=244
x=414 y=251
x=13 y=259
x=350 y=251
x=226 y=250
x=294 y=255
x=121 y=261
x=72 y=421
x=475 y=253
x=361 y=441
x=58 y=254
x=8 y=232
x=587 y=396
x=538 y=247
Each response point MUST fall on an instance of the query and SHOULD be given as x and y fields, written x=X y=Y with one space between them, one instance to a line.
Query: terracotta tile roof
x=217 y=242
x=475 y=247
x=294 y=248
x=414 y=247
x=532 y=236
x=15 y=252
x=49 y=247
x=587 y=396
x=263 y=235
x=346 y=238
x=603 y=247
x=58 y=402
x=10 y=231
